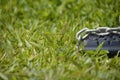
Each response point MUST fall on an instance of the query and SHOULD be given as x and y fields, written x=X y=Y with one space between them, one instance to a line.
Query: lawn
x=37 y=39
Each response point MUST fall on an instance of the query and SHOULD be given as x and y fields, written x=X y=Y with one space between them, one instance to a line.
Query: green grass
x=37 y=39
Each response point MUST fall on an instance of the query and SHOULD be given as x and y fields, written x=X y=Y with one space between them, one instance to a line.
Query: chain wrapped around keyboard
x=92 y=38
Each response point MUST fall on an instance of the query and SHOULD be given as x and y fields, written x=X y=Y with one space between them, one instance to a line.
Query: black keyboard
x=108 y=37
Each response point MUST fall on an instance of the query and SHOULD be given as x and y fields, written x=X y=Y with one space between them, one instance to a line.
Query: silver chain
x=98 y=31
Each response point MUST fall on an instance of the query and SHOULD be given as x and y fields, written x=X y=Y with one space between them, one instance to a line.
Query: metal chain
x=98 y=31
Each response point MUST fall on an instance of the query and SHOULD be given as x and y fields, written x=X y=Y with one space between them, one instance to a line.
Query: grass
x=37 y=39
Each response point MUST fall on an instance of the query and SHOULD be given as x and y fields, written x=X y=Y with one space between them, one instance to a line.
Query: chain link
x=98 y=31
